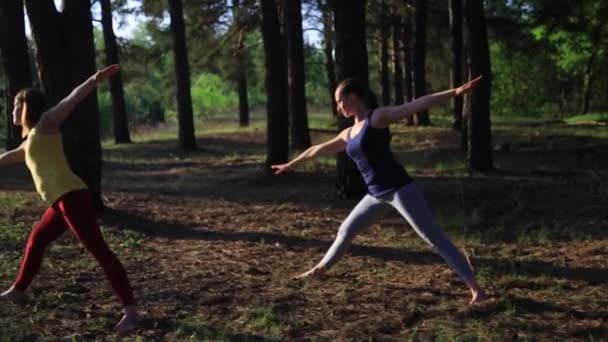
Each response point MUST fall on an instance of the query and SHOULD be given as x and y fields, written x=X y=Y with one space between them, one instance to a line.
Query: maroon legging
x=74 y=211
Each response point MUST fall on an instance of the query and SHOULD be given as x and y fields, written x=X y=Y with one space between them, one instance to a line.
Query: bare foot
x=129 y=320
x=315 y=272
x=14 y=295
x=477 y=296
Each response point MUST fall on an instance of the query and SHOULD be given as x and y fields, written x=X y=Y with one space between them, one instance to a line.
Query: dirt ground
x=211 y=242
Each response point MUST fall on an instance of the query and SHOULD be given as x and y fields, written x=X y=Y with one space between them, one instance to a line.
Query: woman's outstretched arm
x=385 y=116
x=52 y=118
x=335 y=145
x=13 y=156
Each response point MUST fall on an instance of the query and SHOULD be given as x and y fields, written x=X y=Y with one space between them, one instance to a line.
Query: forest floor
x=211 y=241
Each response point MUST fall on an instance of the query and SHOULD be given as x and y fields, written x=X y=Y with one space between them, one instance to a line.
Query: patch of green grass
x=263 y=319
x=322 y=163
x=198 y=329
x=453 y=167
x=322 y=121
x=11 y=200
x=586 y=118
x=459 y=219
x=485 y=276
x=14 y=233
x=205 y=129
x=469 y=330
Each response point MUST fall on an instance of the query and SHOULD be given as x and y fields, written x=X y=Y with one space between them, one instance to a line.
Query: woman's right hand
x=280 y=168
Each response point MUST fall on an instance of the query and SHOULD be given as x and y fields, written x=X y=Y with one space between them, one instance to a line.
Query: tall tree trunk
x=185 y=117
x=397 y=48
x=351 y=61
x=589 y=76
x=408 y=65
x=241 y=60
x=65 y=54
x=300 y=136
x=328 y=48
x=15 y=61
x=479 y=147
x=456 y=65
x=384 y=70
x=119 y=109
x=242 y=81
x=277 y=137
x=421 y=118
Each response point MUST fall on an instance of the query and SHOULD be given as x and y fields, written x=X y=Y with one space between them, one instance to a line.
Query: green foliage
x=104 y=99
x=212 y=95
x=317 y=93
x=517 y=78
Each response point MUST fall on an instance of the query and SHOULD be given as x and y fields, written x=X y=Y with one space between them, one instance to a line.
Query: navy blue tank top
x=370 y=150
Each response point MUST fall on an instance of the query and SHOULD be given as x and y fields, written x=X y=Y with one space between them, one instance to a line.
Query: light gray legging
x=409 y=202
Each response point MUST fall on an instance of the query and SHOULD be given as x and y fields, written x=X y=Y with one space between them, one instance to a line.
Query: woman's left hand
x=467 y=86
x=106 y=72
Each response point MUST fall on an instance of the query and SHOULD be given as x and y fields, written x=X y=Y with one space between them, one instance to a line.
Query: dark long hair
x=354 y=86
x=34 y=105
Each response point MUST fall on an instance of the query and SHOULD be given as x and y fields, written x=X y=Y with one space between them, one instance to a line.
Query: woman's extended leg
x=360 y=218
x=79 y=213
x=411 y=204
x=48 y=229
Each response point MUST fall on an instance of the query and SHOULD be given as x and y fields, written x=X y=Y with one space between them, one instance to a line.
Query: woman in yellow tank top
x=71 y=202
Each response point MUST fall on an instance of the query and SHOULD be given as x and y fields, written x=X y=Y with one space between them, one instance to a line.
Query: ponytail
x=354 y=86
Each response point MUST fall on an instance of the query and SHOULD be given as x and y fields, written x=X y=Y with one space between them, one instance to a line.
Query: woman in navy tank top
x=367 y=143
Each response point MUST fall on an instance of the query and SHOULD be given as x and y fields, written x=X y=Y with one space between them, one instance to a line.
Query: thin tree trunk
x=589 y=76
x=479 y=151
x=397 y=48
x=119 y=109
x=15 y=61
x=300 y=136
x=421 y=118
x=408 y=65
x=351 y=61
x=384 y=70
x=455 y=9
x=185 y=117
x=242 y=81
x=241 y=59
x=277 y=137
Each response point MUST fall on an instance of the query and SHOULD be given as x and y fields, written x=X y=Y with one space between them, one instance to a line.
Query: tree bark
x=241 y=59
x=185 y=117
x=421 y=118
x=589 y=76
x=351 y=61
x=300 y=136
x=277 y=137
x=242 y=81
x=397 y=57
x=65 y=58
x=384 y=69
x=14 y=60
x=455 y=12
x=479 y=146
x=119 y=109
x=408 y=65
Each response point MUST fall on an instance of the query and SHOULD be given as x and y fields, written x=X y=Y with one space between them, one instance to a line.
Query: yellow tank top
x=46 y=161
